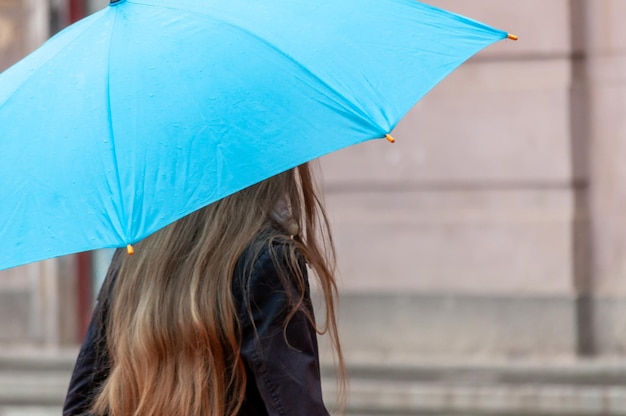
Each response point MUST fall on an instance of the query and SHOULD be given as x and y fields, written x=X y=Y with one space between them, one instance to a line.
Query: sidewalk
x=452 y=387
x=34 y=384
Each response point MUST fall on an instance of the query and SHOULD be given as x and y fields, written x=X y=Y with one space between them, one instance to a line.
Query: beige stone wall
x=476 y=195
x=495 y=224
x=601 y=85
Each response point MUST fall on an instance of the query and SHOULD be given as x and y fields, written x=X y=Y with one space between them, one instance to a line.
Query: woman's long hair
x=173 y=332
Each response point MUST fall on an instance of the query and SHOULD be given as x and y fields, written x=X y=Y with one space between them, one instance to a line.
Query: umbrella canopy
x=151 y=109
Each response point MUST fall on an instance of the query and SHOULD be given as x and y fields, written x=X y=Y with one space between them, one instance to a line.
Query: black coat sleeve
x=88 y=372
x=284 y=363
x=92 y=364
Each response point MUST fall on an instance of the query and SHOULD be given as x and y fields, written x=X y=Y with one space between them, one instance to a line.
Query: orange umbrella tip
x=130 y=249
x=390 y=138
x=512 y=36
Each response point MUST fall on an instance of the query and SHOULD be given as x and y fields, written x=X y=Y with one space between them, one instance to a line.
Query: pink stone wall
x=504 y=195
x=476 y=194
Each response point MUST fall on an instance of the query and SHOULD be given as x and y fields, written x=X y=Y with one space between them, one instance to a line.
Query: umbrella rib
x=124 y=234
x=343 y=99
x=346 y=102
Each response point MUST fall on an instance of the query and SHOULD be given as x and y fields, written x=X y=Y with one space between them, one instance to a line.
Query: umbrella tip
x=390 y=138
x=130 y=249
x=511 y=36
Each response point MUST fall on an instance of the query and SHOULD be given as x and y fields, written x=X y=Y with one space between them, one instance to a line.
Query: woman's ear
x=282 y=216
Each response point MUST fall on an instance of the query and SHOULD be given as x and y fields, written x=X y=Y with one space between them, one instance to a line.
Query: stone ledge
x=450 y=387
x=413 y=398
x=32 y=359
x=34 y=380
x=458 y=370
x=32 y=383
x=30 y=410
x=42 y=389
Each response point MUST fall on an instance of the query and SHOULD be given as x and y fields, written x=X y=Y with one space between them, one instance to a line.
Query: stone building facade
x=493 y=231
x=495 y=225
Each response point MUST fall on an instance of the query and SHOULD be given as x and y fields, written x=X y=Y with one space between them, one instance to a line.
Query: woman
x=212 y=314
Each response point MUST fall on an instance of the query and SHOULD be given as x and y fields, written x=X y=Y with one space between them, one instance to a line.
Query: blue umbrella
x=151 y=109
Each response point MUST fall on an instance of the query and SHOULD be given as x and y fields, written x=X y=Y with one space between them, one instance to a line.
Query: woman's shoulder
x=271 y=263
x=271 y=248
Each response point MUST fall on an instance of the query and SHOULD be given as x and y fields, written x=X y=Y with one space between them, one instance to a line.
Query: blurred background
x=482 y=256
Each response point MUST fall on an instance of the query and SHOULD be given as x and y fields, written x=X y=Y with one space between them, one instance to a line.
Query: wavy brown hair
x=173 y=336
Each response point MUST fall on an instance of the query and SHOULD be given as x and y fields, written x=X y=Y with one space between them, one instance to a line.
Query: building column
x=24 y=25
x=603 y=71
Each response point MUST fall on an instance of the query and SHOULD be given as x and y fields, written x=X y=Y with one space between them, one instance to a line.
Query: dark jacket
x=282 y=366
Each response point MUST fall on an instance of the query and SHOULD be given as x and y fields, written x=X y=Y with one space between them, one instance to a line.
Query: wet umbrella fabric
x=151 y=109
